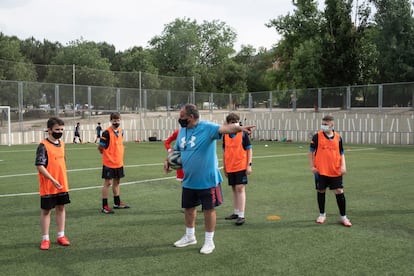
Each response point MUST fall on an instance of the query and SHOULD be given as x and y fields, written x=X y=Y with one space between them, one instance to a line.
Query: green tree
x=299 y=31
x=339 y=45
x=40 y=54
x=394 y=39
x=90 y=67
x=12 y=63
x=186 y=48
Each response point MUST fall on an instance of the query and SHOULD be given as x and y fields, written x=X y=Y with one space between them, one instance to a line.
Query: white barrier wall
x=355 y=128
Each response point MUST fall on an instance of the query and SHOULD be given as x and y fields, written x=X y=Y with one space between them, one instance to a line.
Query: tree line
x=346 y=43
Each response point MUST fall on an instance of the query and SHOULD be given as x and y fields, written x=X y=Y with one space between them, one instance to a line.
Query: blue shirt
x=199 y=156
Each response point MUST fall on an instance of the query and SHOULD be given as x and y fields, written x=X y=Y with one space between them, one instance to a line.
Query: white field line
x=145 y=180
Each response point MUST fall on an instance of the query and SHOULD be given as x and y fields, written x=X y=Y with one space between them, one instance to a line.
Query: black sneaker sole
x=238 y=223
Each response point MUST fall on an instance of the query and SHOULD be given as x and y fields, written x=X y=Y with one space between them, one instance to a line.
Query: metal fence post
x=380 y=96
x=270 y=101
x=118 y=99
x=20 y=101
x=348 y=97
x=319 y=98
x=57 y=101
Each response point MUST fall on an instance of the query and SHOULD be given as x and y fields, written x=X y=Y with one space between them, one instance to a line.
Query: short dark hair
x=328 y=118
x=232 y=117
x=191 y=109
x=54 y=121
x=115 y=115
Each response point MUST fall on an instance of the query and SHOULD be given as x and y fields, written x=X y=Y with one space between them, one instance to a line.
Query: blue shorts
x=322 y=182
x=208 y=198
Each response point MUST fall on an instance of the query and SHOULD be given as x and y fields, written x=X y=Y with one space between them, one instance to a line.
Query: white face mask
x=324 y=128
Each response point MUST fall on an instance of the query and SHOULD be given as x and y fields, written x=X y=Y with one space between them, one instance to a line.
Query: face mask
x=324 y=128
x=183 y=122
x=57 y=135
x=115 y=125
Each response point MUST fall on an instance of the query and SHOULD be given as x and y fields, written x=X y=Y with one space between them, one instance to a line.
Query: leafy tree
x=339 y=45
x=186 y=48
x=299 y=30
x=394 y=39
x=90 y=67
x=12 y=64
x=40 y=54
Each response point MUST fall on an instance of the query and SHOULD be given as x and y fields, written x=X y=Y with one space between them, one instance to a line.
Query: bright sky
x=129 y=23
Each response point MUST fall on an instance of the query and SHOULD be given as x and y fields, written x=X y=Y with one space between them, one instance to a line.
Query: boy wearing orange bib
x=53 y=182
x=327 y=162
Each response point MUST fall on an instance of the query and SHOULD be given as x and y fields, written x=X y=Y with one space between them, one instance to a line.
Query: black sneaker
x=240 y=221
x=121 y=205
x=232 y=216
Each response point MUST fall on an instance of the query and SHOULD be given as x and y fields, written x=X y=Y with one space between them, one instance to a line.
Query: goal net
x=5 y=125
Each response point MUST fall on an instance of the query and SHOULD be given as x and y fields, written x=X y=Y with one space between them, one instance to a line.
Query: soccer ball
x=174 y=160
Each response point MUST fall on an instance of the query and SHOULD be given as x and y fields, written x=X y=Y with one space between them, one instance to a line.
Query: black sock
x=104 y=202
x=321 y=202
x=117 y=200
x=340 y=200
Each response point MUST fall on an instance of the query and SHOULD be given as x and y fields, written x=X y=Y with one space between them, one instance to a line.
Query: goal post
x=5 y=111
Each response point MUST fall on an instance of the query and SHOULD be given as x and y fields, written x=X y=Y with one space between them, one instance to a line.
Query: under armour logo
x=182 y=142
x=192 y=141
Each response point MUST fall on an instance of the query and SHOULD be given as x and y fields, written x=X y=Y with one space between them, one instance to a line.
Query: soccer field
x=138 y=241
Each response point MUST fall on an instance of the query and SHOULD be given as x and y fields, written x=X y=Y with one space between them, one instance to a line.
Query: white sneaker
x=185 y=241
x=207 y=248
x=321 y=219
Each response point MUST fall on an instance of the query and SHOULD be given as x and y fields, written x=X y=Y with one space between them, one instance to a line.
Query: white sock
x=344 y=218
x=209 y=236
x=190 y=231
x=61 y=234
x=241 y=214
x=45 y=237
x=236 y=211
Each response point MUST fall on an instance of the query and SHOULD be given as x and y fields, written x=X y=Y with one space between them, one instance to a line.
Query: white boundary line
x=140 y=181
x=95 y=187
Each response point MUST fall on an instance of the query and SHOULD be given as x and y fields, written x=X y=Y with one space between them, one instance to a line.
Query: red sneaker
x=63 y=241
x=107 y=210
x=45 y=245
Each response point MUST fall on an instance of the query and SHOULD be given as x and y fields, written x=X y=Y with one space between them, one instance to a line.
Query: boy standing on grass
x=77 y=134
x=53 y=182
x=327 y=162
x=237 y=163
x=112 y=149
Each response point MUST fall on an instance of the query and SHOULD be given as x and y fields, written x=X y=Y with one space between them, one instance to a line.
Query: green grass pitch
x=138 y=241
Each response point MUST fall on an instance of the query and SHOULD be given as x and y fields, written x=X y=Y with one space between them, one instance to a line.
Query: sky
x=129 y=23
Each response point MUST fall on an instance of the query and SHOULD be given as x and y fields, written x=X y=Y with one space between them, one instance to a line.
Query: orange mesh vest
x=234 y=155
x=113 y=155
x=328 y=157
x=56 y=166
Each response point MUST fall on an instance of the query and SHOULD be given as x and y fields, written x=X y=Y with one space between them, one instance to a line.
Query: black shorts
x=50 y=201
x=322 y=182
x=236 y=178
x=208 y=198
x=109 y=173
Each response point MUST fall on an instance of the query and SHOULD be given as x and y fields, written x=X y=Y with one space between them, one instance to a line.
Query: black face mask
x=183 y=122
x=115 y=125
x=57 y=135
